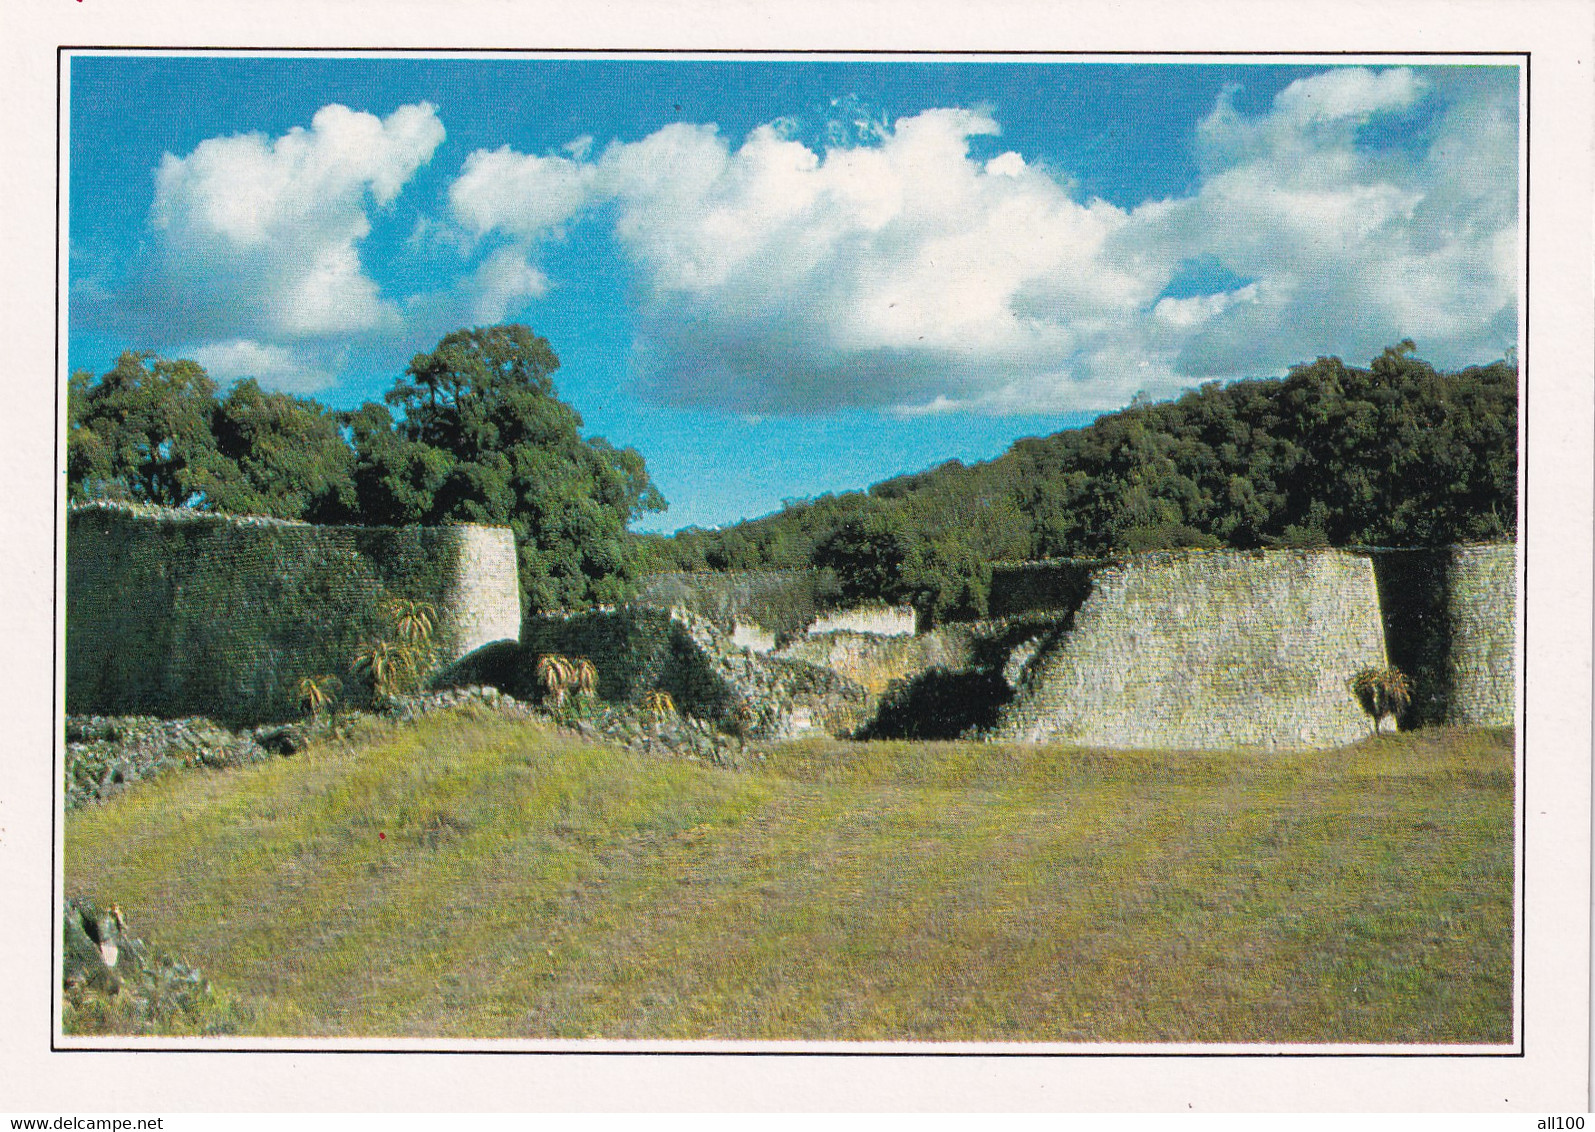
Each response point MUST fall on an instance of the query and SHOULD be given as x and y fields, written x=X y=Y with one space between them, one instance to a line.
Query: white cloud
x=892 y=266
x=1354 y=249
x=258 y=237
x=776 y=278
x=274 y=367
x=893 y=269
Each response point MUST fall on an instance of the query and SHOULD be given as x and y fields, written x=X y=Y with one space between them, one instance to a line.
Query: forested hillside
x=1398 y=454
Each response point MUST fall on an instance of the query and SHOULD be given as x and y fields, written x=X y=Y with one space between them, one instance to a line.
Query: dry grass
x=474 y=877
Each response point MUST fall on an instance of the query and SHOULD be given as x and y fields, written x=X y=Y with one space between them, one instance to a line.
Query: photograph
x=619 y=550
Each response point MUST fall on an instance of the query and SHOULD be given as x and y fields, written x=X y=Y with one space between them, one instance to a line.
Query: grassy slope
x=529 y=885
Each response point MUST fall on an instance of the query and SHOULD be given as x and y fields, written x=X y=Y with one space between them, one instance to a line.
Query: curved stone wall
x=174 y=613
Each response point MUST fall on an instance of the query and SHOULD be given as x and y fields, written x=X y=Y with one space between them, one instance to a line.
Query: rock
x=287 y=740
x=113 y=982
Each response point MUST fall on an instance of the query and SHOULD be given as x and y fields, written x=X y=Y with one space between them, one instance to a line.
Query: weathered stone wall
x=755 y=638
x=175 y=613
x=483 y=603
x=1450 y=618
x=1207 y=649
x=1483 y=609
x=781 y=602
x=636 y=649
x=879 y=620
x=876 y=662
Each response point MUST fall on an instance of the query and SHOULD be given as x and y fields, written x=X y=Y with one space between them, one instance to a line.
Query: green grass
x=476 y=877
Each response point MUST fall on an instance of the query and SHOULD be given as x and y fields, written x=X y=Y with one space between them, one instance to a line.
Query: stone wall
x=878 y=620
x=483 y=603
x=637 y=648
x=1207 y=649
x=876 y=662
x=173 y=613
x=781 y=602
x=1483 y=611
x=1450 y=618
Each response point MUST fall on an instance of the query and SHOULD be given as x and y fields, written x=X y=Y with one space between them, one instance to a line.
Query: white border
x=1553 y=1072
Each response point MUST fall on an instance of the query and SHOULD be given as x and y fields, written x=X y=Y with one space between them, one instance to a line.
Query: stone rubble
x=104 y=754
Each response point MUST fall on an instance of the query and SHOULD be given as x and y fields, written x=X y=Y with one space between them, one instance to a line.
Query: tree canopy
x=473 y=432
x=1397 y=454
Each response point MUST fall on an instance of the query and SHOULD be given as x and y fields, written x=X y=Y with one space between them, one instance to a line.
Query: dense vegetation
x=480 y=877
x=1398 y=454
x=479 y=436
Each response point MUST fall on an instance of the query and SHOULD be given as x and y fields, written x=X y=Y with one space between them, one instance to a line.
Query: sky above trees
x=786 y=277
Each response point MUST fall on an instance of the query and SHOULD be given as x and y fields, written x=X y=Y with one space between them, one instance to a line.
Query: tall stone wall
x=483 y=602
x=1483 y=611
x=1207 y=649
x=1450 y=618
x=177 y=613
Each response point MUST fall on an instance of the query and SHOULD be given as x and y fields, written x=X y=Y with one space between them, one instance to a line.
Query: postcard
x=901 y=564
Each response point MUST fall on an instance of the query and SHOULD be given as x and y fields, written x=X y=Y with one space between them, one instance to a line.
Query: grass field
x=470 y=876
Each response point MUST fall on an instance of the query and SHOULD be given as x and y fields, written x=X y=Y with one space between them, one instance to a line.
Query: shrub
x=1381 y=692
x=658 y=702
x=319 y=693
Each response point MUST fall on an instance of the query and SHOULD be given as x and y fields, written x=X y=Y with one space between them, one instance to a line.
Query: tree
x=870 y=554
x=142 y=432
x=278 y=455
x=481 y=436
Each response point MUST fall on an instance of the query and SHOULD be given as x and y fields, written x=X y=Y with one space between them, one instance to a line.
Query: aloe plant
x=319 y=693
x=1381 y=692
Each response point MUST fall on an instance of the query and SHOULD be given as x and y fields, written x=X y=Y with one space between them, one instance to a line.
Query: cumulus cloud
x=1353 y=248
x=892 y=268
x=258 y=238
x=893 y=265
x=274 y=367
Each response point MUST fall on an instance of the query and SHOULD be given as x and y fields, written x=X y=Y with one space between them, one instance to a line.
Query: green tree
x=142 y=432
x=871 y=554
x=1397 y=454
x=482 y=437
x=278 y=455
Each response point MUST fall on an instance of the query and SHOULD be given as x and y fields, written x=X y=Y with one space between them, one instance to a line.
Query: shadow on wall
x=939 y=705
x=634 y=651
x=1057 y=587
x=1414 y=602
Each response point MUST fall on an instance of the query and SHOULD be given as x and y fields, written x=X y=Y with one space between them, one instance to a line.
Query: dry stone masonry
x=1208 y=649
x=1451 y=624
x=175 y=613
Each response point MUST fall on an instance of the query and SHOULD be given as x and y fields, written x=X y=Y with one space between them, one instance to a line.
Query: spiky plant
x=585 y=678
x=744 y=718
x=319 y=693
x=657 y=702
x=557 y=675
x=1381 y=692
x=412 y=620
x=389 y=668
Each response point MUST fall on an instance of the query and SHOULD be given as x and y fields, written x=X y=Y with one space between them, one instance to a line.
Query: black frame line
x=63 y=51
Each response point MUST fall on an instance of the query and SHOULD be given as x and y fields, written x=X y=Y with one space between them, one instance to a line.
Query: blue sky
x=777 y=279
